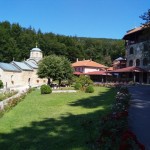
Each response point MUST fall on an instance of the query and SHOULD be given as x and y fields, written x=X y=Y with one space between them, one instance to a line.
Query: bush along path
x=13 y=101
x=114 y=131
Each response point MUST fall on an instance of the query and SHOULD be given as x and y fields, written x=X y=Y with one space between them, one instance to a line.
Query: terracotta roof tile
x=88 y=63
x=129 y=69
x=140 y=28
x=110 y=69
x=77 y=73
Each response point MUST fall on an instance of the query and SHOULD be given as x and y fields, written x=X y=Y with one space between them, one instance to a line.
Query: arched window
x=131 y=63
x=145 y=62
x=137 y=62
x=131 y=50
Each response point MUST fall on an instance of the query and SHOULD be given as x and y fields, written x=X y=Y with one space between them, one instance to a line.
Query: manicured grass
x=60 y=121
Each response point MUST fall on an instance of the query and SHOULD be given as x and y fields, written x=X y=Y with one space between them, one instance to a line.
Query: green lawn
x=64 y=121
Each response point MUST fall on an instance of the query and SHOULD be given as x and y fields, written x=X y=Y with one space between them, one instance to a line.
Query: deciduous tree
x=56 y=68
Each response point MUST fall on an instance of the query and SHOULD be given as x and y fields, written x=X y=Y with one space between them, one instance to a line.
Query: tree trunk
x=49 y=81
x=59 y=82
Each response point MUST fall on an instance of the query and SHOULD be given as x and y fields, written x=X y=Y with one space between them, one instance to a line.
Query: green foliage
x=55 y=67
x=89 y=89
x=46 y=89
x=18 y=41
x=146 y=17
x=84 y=80
x=77 y=86
x=1 y=84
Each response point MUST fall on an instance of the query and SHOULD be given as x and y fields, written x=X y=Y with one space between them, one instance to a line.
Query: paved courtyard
x=139 y=113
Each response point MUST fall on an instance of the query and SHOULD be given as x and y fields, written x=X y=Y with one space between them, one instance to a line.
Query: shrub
x=84 y=80
x=77 y=86
x=45 y=89
x=1 y=84
x=89 y=89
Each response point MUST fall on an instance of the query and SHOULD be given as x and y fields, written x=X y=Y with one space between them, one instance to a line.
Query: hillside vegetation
x=17 y=41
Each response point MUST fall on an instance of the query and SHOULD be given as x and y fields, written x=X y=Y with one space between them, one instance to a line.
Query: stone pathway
x=64 y=91
x=139 y=113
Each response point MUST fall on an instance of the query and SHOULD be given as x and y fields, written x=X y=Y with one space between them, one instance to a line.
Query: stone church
x=22 y=74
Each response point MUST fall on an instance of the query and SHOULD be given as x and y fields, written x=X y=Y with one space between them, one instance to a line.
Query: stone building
x=138 y=52
x=19 y=74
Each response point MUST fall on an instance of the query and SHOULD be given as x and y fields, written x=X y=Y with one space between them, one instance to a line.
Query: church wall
x=16 y=79
x=34 y=80
x=10 y=79
x=23 y=78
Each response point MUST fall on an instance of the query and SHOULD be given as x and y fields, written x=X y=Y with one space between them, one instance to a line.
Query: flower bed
x=115 y=134
x=13 y=101
x=7 y=95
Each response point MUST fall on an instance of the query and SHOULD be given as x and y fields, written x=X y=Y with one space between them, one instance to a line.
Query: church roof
x=120 y=58
x=31 y=64
x=22 y=66
x=36 y=49
x=9 y=67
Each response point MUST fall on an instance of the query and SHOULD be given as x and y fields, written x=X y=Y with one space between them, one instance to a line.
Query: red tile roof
x=88 y=63
x=110 y=69
x=77 y=73
x=129 y=69
x=130 y=32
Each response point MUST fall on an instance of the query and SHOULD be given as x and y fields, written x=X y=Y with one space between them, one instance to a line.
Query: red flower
x=124 y=146
x=141 y=146
x=128 y=135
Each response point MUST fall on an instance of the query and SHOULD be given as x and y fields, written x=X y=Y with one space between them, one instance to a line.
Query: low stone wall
x=4 y=103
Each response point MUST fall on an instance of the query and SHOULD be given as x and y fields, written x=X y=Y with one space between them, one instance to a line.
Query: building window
x=131 y=63
x=146 y=47
x=131 y=50
x=145 y=62
x=137 y=62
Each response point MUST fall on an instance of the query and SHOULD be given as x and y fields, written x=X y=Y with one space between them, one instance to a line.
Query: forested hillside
x=16 y=43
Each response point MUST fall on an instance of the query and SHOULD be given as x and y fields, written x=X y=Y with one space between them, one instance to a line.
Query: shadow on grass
x=66 y=133
x=95 y=101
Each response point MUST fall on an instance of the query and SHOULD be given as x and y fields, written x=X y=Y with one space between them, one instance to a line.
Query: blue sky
x=83 y=18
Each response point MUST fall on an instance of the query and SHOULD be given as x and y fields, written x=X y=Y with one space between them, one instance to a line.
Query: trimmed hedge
x=77 y=86
x=45 y=89
x=89 y=89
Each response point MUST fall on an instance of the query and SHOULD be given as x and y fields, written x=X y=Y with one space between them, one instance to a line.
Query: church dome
x=36 y=49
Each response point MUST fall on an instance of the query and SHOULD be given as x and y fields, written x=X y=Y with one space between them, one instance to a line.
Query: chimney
x=77 y=60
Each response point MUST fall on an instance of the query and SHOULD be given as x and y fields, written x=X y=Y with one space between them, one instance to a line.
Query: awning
x=103 y=73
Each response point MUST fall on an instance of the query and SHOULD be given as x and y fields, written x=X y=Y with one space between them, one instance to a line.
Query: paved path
x=139 y=113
